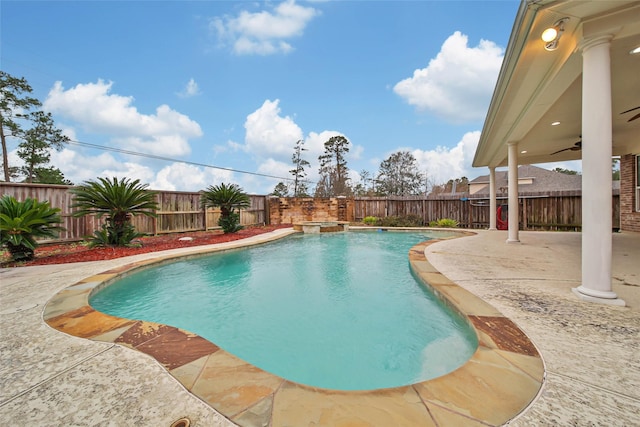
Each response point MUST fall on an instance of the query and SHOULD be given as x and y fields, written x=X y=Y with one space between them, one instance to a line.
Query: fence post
x=204 y=217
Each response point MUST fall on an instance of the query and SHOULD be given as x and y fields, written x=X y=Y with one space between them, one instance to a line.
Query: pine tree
x=14 y=106
x=334 y=179
x=299 y=174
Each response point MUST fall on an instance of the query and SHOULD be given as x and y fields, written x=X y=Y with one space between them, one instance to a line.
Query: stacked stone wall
x=285 y=210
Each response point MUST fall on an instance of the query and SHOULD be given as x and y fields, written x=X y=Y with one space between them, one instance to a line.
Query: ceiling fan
x=575 y=147
x=634 y=117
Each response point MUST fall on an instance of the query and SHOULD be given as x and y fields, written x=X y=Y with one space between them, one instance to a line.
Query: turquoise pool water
x=337 y=310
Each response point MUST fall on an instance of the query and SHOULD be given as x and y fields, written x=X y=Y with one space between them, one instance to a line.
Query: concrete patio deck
x=590 y=350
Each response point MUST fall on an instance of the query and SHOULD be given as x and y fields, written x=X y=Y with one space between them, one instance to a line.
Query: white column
x=492 y=198
x=513 y=194
x=596 y=173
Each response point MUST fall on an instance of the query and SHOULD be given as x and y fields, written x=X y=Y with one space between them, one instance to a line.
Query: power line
x=169 y=159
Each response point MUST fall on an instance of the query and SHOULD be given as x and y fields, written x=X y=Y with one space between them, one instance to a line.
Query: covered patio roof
x=537 y=87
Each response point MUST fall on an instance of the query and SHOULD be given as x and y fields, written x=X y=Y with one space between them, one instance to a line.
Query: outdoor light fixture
x=551 y=36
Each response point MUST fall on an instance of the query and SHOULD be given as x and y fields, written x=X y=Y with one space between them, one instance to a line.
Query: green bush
x=230 y=198
x=118 y=200
x=401 y=221
x=22 y=222
x=370 y=220
x=444 y=223
x=110 y=236
x=230 y=223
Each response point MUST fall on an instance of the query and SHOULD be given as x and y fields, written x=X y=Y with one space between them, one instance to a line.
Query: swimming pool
x=339 y=311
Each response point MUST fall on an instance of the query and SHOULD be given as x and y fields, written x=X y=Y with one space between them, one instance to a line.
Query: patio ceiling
x=537 y=87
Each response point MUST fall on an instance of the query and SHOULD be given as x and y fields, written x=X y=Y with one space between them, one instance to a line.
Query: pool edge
x=498 y=382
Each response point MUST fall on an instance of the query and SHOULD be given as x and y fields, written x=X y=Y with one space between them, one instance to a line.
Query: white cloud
x=191 y=89
x=269 y=134
x=264 y=32
x=271 y=137
x=185 y=177
x=458 y=83
x=173 y=177
x=78 y=167
x=97 y=111
x=443 y=164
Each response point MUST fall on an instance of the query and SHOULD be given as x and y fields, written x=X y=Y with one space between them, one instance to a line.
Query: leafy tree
x=299 y=185
x=50 y=175
x=37 y=142
x=458 y=185
x=615 y=174
x=280 y=190
x=228 y=198
x=119 y=200
x=22 y=222
x=363 y=188
x=399 y=175
x=334 y=179
x=565 y=171
x=14 y=104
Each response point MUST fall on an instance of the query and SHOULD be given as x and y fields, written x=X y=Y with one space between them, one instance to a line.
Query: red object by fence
x=502 y=217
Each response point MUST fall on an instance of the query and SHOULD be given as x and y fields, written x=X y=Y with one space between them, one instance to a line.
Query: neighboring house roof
x=531 y=179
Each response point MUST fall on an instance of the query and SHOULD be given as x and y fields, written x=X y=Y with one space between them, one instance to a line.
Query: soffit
x=537 y=87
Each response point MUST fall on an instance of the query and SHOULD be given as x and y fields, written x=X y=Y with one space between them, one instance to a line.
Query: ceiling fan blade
x=564 y=149
x=634 y=108
x=634 y=117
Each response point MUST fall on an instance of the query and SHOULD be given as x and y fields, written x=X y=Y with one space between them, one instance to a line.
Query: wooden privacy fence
x=181 y=212
x=555 y=210
x=178 y=211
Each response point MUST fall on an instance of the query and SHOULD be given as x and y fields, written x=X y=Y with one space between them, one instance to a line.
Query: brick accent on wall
x=629 y=218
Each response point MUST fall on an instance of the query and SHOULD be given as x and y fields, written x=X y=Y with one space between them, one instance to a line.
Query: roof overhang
x=536 y=87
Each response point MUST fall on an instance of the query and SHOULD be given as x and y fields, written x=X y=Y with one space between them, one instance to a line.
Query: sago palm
x=22 y=222
x=119 y=200
x=228 y=197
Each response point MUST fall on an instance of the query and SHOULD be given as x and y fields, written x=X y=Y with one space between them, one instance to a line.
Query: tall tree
x=50 y=175
x=399 y=175
x=458 y=185
x=14 y=105
x=299 y=173
x=362 y=188
x=334 y=179
x=36 y=145
x=280 y=190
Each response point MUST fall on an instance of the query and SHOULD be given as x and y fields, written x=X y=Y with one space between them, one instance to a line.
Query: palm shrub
x=22 y=222
x=119 y=200
x=228 y=197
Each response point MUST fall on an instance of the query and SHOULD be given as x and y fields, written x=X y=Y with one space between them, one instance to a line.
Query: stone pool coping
x=497 y=383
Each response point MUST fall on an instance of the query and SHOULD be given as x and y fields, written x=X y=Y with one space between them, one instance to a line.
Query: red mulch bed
x=79 y=252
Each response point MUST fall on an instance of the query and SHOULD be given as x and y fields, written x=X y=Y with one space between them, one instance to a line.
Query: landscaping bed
x=63 y=253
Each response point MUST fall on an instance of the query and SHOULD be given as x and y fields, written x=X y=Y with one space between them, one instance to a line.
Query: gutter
x=522 y=26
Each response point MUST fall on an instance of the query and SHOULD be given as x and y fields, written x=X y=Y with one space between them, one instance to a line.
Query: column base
x=513 y=240
x=609 y=298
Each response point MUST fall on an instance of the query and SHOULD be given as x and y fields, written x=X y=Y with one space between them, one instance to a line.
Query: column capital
x=590 y=42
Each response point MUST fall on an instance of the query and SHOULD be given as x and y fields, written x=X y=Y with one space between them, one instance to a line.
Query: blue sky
x=235 y=84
